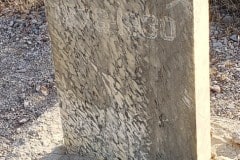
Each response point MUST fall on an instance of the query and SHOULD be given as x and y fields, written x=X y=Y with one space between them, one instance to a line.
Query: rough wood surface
x=126 y=78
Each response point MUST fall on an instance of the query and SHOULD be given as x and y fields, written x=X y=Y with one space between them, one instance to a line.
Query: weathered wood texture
x=132 y=77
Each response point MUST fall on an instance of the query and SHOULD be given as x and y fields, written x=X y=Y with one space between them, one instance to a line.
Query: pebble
x=29 y=42
x=22 y=121
x=26 y=103
x=50 y=80
x=34 y=21
x=38 y=87
x=227 y=19
x=44 y=90
x=234 y=38
x=235 y=44
x=11 y=23
x=216 y=88
x=217 y=44
x=18 y=130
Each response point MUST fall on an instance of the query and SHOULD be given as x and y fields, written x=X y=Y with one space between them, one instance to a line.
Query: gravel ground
x=27 y=74
x=30 y=126
x=225 y=71
x=27 y=88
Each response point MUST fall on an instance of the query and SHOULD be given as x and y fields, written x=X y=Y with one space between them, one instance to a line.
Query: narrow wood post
x=133 y=77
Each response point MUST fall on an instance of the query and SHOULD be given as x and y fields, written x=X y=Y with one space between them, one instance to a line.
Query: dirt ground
x=30 y=125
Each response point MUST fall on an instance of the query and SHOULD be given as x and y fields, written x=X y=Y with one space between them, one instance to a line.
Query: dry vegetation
x=20 y=5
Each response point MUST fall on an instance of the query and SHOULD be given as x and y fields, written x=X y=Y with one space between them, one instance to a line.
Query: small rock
x=22 y=121
x=18 y=130
x=227 y=19
x=26 y=103
x=38 y=87
x=217 y=44
x=11 y=23
x=235 y=44
x=234 y=38
x=228 y=64
x=34 y=21
x=224 y=77
x=50 y=80
x=44 y=90
x=213 y=71
x=216 y=88
x=29 y=42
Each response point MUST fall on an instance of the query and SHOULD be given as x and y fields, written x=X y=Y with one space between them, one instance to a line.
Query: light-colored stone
x=44 y=90
x=225 y=138
x=133 y=77
x=43 y=140
x=38 y=87
x=216 y=88
x=22 y=121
